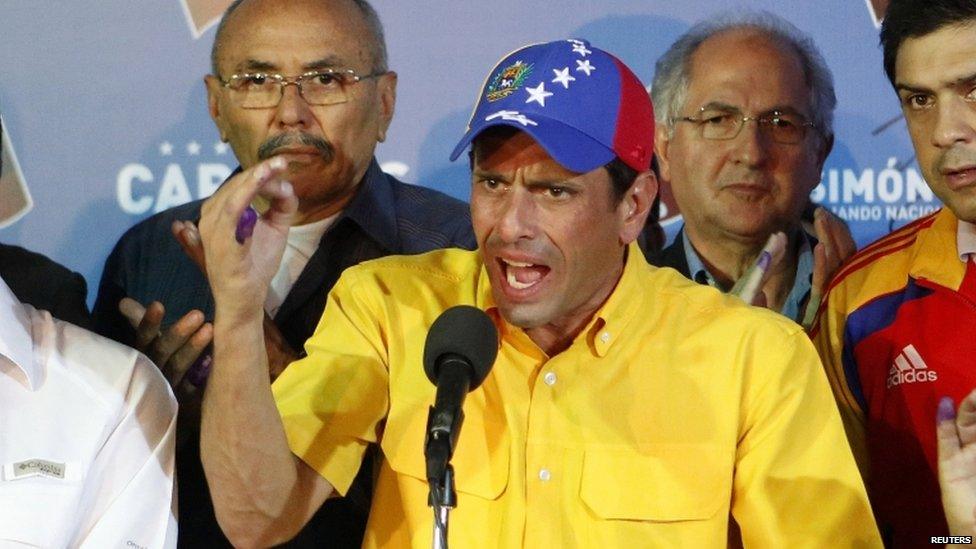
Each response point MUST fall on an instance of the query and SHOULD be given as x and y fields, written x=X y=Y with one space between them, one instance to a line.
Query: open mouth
x=523 y=275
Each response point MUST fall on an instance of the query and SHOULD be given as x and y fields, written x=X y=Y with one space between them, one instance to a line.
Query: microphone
x=459 y=351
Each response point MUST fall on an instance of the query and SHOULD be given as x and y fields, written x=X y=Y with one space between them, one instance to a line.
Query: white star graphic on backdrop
x=514 y=116
x=581 y=49
x=584 y=66
x=562 y=77
x=538 y=94
x=193 y=148
x=220 y=147
x=165 y=148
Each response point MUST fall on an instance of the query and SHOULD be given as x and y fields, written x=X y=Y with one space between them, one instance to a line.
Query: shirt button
x=549 y=378
x=545 y=475
x=605 y=337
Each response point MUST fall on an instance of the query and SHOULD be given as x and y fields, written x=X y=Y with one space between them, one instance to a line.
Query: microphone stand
x=442 y=499
x=444 y=420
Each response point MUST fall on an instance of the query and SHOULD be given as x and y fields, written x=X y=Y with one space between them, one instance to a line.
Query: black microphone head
x=465 y=331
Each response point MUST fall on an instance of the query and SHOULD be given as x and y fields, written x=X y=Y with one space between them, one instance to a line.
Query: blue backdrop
x=105 y=114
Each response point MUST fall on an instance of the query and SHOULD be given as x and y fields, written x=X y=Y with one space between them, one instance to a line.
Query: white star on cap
x=165 y=148
x=581 y=49
x=538 y=94
x=584 y=66
x=220 y=147
x=562 y=77
x=193 y=148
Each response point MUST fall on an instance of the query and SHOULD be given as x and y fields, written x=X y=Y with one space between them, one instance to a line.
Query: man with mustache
x=897 y=330
x=304 y=82
x=744 y=124
x=627 y=406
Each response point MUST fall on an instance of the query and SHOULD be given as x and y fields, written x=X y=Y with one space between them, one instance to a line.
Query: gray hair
x=672 y=71
x=379 y=58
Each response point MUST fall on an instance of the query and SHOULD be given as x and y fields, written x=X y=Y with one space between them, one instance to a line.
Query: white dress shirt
x=87 y=431
x=966 y=240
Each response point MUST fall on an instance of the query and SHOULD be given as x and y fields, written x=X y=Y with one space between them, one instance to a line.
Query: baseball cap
x=580 y=103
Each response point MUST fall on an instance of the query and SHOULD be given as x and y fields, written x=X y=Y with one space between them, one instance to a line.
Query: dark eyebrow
x=255 y=65
x=900 y=87
x=485 y=174
x=481 y=175
x=913 y=88
x=327 y=62
x=965 y=80
x=547 y=183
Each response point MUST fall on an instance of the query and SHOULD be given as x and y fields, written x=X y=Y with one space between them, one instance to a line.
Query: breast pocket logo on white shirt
x=32 y=468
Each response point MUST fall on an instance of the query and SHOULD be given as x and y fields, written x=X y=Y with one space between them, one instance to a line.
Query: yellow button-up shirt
x=673 y=408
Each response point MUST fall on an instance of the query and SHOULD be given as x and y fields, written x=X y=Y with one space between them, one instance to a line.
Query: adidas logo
x=909 y=368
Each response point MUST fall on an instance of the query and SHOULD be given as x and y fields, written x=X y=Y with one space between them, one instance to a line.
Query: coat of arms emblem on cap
x=507 y=80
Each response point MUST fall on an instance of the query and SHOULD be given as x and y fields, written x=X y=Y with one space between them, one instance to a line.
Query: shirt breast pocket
x=667 y=483
x=481 y=456
x=37 y=512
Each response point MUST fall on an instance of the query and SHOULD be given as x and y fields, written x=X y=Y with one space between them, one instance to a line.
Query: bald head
x=362 y=14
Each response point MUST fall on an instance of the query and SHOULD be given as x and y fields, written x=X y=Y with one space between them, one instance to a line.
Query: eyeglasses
x=720 y=124
x=261 y=90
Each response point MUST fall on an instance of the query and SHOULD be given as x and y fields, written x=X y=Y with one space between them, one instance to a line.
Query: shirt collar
x=621 y=307
x=792 y=307
x=966 y=240
x=374 y=208
x=696 y=268
x=931 y=259
x=607 y=324
x=485 y=300
x=16 y=343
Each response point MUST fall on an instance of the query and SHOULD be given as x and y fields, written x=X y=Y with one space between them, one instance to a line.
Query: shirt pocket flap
x=480 y=459
x=670 y=483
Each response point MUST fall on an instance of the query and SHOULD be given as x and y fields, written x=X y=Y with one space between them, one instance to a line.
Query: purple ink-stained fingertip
x=946 y=411
x=198 y=373
x=765 y=259
x=245 y=225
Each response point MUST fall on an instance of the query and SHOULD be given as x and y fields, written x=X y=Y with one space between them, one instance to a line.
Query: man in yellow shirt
x=628 y=406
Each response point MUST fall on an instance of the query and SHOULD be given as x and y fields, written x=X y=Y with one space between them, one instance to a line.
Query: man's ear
x=386 y=88
x=826 y=144
x=662 y=149
x=213 y=103
x=636 y=205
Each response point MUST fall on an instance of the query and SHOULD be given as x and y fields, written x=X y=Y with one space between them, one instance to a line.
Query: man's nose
x=292 y=109
x=517 y=216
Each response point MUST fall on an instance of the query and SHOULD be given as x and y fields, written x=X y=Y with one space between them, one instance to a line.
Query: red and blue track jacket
x=896 y=332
